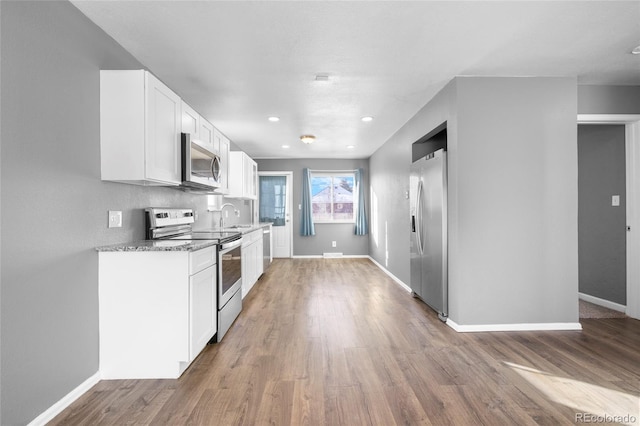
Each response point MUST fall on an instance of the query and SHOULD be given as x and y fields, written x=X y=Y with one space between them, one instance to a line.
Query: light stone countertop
x=176 y=245
x=244 y=229
x=158 y=245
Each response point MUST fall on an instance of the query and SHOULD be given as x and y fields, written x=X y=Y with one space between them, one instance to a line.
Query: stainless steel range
x=177 y=224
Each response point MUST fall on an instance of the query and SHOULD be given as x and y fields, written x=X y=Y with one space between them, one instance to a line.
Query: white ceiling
x=238 y=62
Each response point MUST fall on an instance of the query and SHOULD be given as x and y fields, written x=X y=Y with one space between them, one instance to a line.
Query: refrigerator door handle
x=419 y=218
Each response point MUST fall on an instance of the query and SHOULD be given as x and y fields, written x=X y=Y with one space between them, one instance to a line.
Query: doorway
x=632 y=180
x=602 y=218
x=274 y=205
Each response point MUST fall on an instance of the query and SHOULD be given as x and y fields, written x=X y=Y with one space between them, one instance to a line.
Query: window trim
x=332 y=174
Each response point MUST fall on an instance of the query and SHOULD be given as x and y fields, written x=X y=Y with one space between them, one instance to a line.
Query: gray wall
x=343 y=233
x=54 y=205
x=602 y=227
x=608 y=99
x=512 y=198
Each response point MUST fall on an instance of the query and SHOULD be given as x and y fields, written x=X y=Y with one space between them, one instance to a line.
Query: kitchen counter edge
x=157 y=245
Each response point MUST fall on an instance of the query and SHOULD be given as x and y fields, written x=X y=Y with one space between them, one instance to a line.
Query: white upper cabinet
x=243 y=176
x=207 y=135
x=200 y=130
x=217 y=139
x=190 y=121
x=140 y=125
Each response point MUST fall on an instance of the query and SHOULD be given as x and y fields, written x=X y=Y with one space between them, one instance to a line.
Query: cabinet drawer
x=201 y=259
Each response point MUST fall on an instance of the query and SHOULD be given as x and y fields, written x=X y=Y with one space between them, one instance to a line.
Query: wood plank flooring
x=337 y=342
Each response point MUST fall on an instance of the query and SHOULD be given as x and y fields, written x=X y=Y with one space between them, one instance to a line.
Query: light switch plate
x=615 y=200
x=115 y=219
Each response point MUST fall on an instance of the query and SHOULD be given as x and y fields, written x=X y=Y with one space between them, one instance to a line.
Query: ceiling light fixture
x=274 y=119
x=350 y=146
x=367 y=119
x=285 y=146
x=636 y=50
x=307 y=139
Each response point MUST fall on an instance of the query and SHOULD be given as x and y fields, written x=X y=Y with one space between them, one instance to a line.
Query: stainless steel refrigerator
x=428 y=189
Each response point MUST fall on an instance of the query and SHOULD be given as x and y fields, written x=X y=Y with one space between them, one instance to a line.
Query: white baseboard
x=313 y=256
x=393 y=277
x=602 y=302
x=67 y=400
x=574 y=326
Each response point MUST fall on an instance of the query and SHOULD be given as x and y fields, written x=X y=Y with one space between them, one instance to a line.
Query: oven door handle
x=231 y=245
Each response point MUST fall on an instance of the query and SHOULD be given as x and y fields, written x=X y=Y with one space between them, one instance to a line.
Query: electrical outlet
x=334 y=244
x=115 y=219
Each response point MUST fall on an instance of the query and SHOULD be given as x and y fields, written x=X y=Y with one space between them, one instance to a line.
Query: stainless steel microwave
x=200 y=167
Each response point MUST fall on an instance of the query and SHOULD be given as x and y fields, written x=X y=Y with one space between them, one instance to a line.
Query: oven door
x=229 y=271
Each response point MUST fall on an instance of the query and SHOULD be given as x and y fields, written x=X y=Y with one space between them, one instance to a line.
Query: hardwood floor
x=337 y=342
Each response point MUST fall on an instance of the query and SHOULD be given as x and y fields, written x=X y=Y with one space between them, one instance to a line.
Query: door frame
x=632 y=159
x=289 y=175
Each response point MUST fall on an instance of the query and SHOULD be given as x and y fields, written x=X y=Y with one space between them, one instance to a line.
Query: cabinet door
x=245 y=270
x=217 y=140
x=253 y=193
x=190 y=121
x=250 y=176
x=202 y=310
x=163 y=122
x=207 y=135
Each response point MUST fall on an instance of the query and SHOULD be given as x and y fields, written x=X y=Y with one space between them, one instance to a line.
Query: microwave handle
x=215 y=168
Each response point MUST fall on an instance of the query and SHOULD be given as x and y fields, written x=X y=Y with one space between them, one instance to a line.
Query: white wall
x=512 y=198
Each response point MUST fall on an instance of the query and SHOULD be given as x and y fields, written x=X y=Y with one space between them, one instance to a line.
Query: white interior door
x=274 y=201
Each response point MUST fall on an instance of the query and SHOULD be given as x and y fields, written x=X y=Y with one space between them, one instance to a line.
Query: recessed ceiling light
x=307 y=139
x=636 y=50
x=350 y=146
x=367 y=119
x=286 y=146
x=274 y=119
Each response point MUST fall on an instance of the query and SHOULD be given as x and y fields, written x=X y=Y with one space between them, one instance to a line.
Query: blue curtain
x=273 y=196
x=306 y=221
x=361 y=214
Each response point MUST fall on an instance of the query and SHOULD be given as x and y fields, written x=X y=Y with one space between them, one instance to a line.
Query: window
x=332 y=197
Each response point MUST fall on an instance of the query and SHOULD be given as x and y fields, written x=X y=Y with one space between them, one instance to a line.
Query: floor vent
x=331 y=255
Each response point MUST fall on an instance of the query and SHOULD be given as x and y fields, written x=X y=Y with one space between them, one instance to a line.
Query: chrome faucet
x=222 y=213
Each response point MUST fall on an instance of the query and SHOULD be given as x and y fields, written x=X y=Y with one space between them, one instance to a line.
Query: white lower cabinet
x=157 y=311
x=252 y=265
x=203 y=312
